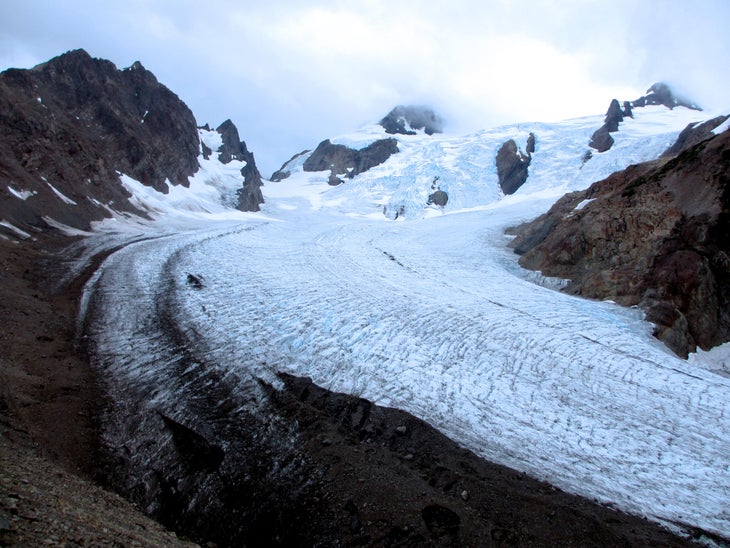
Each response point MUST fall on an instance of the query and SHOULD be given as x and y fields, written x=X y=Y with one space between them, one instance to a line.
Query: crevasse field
x=429 y=313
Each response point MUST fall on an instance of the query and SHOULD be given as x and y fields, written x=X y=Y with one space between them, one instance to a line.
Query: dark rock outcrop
x=73 y=123
x=250 y=196
x=601 y=139
x=658 y=94
x=405 y=120
x=334 y=180
x=655 y=235
x=512 y=164
x=341 y=160
x=661 y=94
x=439 y=198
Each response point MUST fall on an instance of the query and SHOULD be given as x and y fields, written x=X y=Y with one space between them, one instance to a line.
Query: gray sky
x=291 y=73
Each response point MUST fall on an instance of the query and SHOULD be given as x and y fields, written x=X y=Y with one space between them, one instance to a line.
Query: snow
x=65 y=229
x=22 y=233
x=584 y=203
x=21 y=194
x=716 y=359
x=722 y=127
x=432 y=315
x=212 y=139
x=65 y=199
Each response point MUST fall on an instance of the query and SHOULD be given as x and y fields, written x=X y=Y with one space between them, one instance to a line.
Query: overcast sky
x=290 y=73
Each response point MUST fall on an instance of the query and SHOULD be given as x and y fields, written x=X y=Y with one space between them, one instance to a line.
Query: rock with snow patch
x=601 y=139
x=661 y=93
x=285 y=170
x=406 y=120
x=72 y=123
x=439 y=198
x=250 y=196
x=342 y=160
x=658 y=94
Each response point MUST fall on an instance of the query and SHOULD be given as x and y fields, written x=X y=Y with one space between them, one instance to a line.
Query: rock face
x=249 y=196
x=73 y=123
x=601 y=139
x=512 y=164
x=655 y=235
x=341 y=160
x=405 y=120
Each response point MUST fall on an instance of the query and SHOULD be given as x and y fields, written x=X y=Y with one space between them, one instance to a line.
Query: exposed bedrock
x=342 y=160
x=655 y=235
x=512 y=164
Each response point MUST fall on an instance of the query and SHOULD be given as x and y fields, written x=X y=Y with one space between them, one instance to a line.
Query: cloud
x=292 y=73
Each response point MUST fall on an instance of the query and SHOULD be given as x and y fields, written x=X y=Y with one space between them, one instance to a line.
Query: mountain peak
x=406 y=119
x=661 y=93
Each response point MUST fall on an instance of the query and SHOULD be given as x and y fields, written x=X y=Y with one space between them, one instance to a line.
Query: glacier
x=429 y=313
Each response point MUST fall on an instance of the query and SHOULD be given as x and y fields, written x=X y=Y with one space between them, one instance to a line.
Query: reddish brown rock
x=655 y=235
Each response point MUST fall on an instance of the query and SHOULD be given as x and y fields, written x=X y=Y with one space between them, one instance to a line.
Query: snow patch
x=65 y=199
x=716 y=359
x=722 y=127
x=65 y=229
x=582 y=204
x=21 y=194
x=21 y=233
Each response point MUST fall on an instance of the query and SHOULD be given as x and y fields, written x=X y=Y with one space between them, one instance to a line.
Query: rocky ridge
x=233 y=148
x=342 y=160
x=658 y=94
x=655 y=235
x=73 y=124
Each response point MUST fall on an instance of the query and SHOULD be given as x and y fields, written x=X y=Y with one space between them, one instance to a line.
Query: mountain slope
x=72 y=125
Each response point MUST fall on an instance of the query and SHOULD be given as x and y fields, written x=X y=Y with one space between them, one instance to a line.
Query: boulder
x=439 y=198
